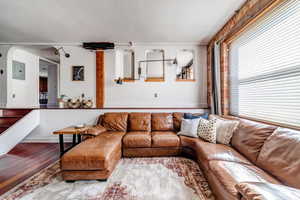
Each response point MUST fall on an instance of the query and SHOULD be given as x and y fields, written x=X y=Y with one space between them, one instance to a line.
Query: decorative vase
x=87 y=103
x=74 y=103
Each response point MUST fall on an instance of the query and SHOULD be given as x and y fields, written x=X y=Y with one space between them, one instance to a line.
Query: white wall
x=55 y=119
x=3 y=78
x=170 y=93
x=139 y=93
x=52 y=84
x=26 y=91
x=79 y=56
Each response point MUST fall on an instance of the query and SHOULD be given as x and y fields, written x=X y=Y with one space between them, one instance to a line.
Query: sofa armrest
x=266 y=191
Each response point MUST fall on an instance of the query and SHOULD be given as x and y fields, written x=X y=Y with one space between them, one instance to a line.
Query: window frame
x=224 y=58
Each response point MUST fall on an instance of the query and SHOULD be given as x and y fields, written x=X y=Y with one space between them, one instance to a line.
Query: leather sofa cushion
x=280 y=156
x=250 y=137
x=139 y=121
x=177 y=119
x=135 y=139
x=93 y=154
x=231 y=173
x=151 y=152
x=266 y=191
x=206 y=151
x=162 y=122
x=165 y=139
x=115 y=121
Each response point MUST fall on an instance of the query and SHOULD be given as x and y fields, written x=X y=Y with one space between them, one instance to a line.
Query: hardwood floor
x=25 y=160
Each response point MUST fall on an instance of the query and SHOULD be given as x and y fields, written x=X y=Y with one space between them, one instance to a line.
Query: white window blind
x=265 y=68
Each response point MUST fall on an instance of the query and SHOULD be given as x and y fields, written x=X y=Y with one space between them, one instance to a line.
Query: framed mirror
x=128 y=65
x=185 y=65
x=155 y=65
x=125 y=65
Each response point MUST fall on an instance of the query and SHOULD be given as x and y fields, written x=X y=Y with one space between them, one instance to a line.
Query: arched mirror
x=185 y=61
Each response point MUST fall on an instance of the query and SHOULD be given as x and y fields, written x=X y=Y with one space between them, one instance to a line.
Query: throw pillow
x=207 y=130
x=195 y=116
x=225 y=129
x=189 y=127
x=95 y=130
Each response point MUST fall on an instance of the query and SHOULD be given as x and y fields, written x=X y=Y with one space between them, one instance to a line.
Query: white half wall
x=16 y=133
x=55 y=119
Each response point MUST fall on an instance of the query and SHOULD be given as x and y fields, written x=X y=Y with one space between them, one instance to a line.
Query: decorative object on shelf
x=57 y=52
x=61 y=101
x=78 y=73
x=80 y=102
x=74 y=103
x=86 y=103
x=119 y=81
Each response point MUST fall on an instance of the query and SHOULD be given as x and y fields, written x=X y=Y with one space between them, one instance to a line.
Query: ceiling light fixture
x=57 y=52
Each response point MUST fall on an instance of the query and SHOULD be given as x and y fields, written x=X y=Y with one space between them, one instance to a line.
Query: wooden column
x=224 y=78
x=100 y=78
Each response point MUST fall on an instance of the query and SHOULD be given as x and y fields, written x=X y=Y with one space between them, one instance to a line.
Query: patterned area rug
x=172 y=178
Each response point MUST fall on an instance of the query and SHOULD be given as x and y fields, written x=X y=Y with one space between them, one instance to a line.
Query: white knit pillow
x=189 y=127
x=225 y=129
x=207 y=130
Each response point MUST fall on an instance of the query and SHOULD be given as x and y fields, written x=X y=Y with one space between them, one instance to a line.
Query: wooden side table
x=69 y=131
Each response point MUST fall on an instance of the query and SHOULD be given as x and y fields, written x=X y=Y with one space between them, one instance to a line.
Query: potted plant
x=61 y=101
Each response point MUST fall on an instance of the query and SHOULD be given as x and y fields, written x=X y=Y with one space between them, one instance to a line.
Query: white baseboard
x=46 y=140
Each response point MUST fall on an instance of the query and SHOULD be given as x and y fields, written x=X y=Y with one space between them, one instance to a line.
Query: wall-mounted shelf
x=128 y=80
x=149 y=79
x=185 y=80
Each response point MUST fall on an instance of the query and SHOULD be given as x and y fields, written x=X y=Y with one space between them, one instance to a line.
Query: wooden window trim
x=233 y=36
x=224 y=58
x=266 y=122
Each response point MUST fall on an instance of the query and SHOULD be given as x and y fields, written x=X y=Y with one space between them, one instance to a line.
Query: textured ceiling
x=70 y=21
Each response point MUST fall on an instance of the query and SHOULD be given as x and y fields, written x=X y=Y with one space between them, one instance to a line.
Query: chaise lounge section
x=259 y=153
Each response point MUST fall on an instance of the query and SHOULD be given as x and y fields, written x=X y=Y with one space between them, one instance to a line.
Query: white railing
x=17 y=132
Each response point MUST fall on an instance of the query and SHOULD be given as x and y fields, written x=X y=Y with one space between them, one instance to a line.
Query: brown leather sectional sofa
x=258 y=153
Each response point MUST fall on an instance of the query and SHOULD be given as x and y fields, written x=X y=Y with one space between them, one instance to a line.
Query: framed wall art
x=78 y=73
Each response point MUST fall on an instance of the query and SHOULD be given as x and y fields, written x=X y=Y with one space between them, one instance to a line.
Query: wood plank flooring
x=25 y=160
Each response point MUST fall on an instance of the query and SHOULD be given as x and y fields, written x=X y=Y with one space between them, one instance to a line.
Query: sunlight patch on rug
x=133 y=179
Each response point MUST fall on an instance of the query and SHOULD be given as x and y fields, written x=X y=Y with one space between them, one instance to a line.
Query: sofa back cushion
x=139 y=122
x=162 y=122
x=250 y=136
x=280 y=156
x=115 y=121
x=177 y=119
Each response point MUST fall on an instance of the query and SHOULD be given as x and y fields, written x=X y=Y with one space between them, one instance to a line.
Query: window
x=265 y=68
x=155 y=66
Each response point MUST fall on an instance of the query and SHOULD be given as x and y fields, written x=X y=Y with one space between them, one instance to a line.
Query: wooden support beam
x=100 y=79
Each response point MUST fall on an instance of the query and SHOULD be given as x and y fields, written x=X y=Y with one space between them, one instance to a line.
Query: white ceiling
x=72 y=21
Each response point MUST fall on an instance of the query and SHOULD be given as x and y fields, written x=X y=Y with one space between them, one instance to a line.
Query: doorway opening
x=48 y=82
